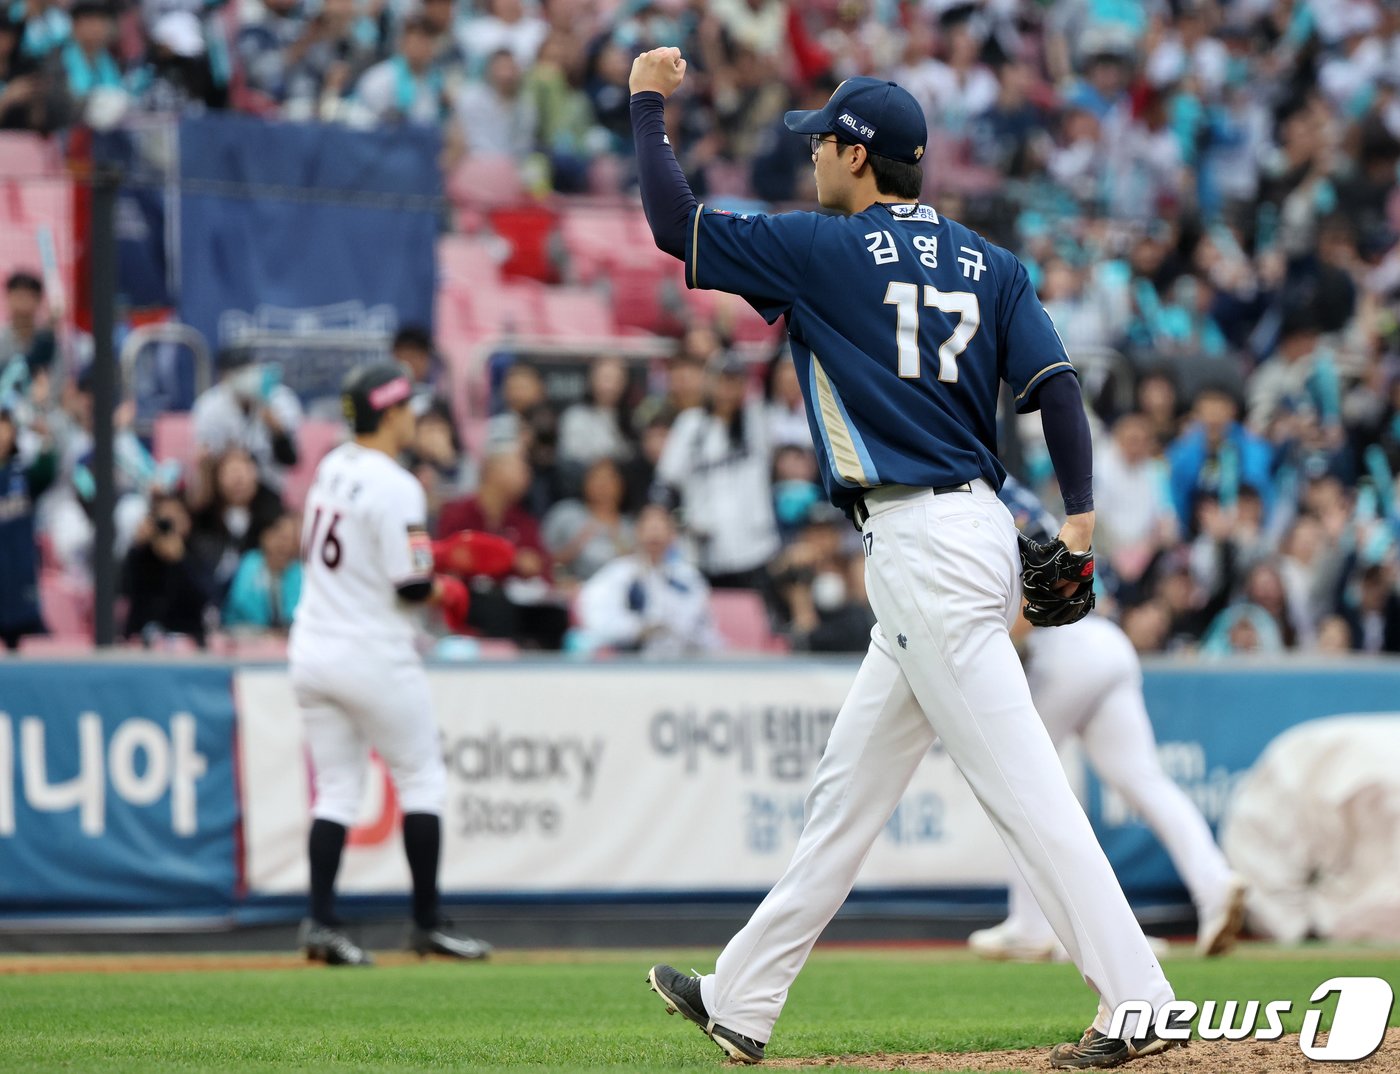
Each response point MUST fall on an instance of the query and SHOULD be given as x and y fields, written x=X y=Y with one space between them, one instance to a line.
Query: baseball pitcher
x=903 y=325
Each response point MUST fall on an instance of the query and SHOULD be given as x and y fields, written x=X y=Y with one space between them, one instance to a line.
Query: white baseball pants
x=943 y=574
x=1086 y=681
x=353 y=699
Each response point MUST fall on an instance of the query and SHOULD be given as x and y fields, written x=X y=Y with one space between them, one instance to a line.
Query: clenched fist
x=661 y=70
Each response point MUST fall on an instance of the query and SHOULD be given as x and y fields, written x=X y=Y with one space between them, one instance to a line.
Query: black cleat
x=439 y=942
x=322 y=943
x=682 y=995
x=1096 y=1051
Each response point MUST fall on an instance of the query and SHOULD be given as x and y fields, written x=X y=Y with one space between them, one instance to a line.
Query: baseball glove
x=468 y=554
x=1043 y=567
x=455 y=602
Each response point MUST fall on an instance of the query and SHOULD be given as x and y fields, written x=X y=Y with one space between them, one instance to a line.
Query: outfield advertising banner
x=1212 y=724
x=117 y=789
x=609 y=779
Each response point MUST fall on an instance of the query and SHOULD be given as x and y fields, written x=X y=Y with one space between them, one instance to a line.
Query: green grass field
x=575 y=1011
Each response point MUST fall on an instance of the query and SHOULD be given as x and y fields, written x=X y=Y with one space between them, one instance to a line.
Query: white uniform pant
x=943 y=574
x=1086 y=681
x=352 y=699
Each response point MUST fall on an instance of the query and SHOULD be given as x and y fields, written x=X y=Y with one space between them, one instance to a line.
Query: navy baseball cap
x=880 y=115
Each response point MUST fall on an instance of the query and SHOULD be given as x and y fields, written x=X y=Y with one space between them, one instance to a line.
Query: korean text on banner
x=117 y=789
x=606 y=780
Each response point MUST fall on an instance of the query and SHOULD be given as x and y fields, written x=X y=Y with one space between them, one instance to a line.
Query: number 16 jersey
x=903 y=325
x=363 y=535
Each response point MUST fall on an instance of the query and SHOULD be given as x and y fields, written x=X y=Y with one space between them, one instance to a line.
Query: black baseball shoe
x=1097 y=1051
x=682 y=995
x=322 y=943
x=438 y=941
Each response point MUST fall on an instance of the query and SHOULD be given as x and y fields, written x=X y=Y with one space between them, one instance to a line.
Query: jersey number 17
x=904 y=297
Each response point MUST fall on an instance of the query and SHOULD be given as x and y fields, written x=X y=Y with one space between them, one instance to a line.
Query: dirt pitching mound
x=1201 y=1057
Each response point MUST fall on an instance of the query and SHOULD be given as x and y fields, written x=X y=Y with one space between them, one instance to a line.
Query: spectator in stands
x=564 y=130
x=494 y=116
x=413 y=349
x=439 y=461
x=66 y=513
x=21 y=103
x=1215 y=454
x=1156 y=397
x=45 y=27
x=406 y=88
x=24 y=335
x=231 y=509
x=1136 y=518
x=267 y=585
x=272 y=42
x=787 y=415
x=1374 y=613
x=529 y=423
x=822 y=588
x=653 y=601
x=180 y=75
x=505 y=25
x=22 y=481
x=584 y=534
x=85 y=65
x=167 y=586
x=601 y=425
x=332 y=49
x=448 y=56
x=1148 y=626
x=251 y=409
x=522 y=607
x=686 y=385
x=496 y=508
x=795 y=488
x=1298 y=379
x=1240 y=630
x=717 y=466
x=1334 y=636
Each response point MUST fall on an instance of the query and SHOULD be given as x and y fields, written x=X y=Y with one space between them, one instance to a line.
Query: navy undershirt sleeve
x=1067 y=437
x=666 y=195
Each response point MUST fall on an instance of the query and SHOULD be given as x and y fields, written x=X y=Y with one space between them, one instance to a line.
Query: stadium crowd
x=1205 y=193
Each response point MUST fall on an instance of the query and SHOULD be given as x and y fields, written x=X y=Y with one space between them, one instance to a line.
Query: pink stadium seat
x=48 y=646
x=482 y=180
x=315 y=440
x=577 y=313
x=741 y=619
x=172 y=437
x=467 y=262
x=636 y=298
x=28 y=156
x=66 y=604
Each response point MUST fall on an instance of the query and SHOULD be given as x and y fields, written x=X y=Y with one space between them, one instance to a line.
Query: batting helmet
x=371 y=390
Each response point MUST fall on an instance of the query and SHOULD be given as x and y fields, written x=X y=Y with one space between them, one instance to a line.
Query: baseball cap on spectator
x=84 y=9
x=24 y=281
x=180 y=32
x=882 y=116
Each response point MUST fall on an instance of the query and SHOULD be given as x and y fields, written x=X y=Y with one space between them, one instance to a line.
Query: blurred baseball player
x=1086 y=682
x=358 y=679
x=903 y=325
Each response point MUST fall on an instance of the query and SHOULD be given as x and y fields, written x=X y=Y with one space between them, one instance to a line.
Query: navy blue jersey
x=903 y=325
